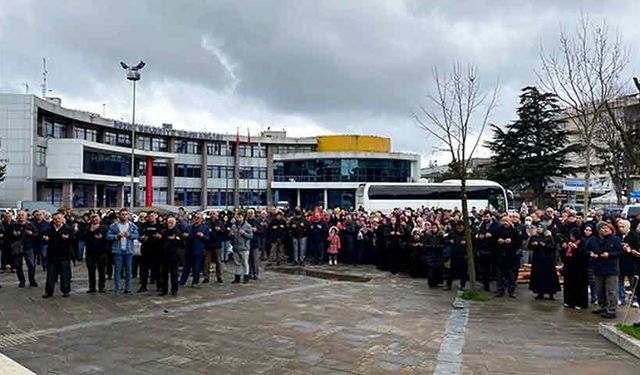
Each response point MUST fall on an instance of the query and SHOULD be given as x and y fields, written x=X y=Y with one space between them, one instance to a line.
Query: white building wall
x=17 y=133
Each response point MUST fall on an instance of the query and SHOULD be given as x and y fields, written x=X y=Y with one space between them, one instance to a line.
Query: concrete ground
x=296 y=324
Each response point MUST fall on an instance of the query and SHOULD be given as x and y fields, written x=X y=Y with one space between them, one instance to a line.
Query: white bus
x=385 y=197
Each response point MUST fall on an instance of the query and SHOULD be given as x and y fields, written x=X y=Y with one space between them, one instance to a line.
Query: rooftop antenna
x=104 y=105
x=44 y=77
x=26 y=87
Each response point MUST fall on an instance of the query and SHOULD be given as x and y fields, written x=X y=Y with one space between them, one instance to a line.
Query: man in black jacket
x=57 y=238
x=150 y=250
x=485 y=249
x=507 y=242
x=97 y=249
x=298 y=227
x=213 y=251
x=22 y=238
x=172 y=240
x=604 y=250
x=277 y=233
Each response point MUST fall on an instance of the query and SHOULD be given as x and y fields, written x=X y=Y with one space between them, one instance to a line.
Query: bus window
x=495 y=197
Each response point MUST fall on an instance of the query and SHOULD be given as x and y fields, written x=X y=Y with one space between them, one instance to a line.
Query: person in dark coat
x=172 y=241
x=434 y=245
x=150 y=251
x=575 y=271
x=544 y=278
x=393 y=235
x=22 y=237
x=95 y=241
x=628 y=260
x=418 y=264
x=318 y=232
x=197 y=239
x=348 y=237
x=507 y=243
x=58 y=238
x=485 y=249
x=214 y=247
x=605 y=251
x=458 y=268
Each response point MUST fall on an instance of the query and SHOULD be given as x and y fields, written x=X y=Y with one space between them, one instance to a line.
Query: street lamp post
x=133 y=75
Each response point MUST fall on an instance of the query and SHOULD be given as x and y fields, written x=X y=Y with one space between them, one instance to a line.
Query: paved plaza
x=297 y=324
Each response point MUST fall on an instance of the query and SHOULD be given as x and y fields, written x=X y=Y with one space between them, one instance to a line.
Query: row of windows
x=148 y=143
x=219 y=197
x=343 y=170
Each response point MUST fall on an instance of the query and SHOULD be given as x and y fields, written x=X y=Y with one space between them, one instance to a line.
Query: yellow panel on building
x=353 y=143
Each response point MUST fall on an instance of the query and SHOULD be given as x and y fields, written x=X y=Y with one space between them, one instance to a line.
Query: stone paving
x=294 y=324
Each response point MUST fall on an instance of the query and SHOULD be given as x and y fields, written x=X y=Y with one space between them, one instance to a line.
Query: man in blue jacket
x=604 y=250
x=122 y=233
x=197 y=239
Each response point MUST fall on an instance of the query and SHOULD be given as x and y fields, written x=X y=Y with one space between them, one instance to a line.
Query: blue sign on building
x=635 y=194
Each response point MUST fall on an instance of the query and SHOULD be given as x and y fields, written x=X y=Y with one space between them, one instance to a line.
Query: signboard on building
x=597 y=185
x=635 y=194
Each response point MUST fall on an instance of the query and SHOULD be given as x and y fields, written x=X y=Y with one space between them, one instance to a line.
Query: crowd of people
x=594 y=255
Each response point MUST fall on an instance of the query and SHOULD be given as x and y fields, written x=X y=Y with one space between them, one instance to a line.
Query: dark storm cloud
x=337 y=66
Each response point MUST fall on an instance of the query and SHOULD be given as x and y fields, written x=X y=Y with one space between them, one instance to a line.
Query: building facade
x=78 y=159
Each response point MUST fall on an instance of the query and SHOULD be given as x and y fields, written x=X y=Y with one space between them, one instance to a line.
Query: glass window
x=41 y=156
x=246 y=173
x=187 y=197
x=188 y=147
x=106 y=164
x=117 y=139
x=218 y=149
x=86 y=134
x=54 y=130
x=188 y=170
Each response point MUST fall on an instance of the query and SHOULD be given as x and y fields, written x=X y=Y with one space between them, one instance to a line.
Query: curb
x=9 y=366
x=626 y=342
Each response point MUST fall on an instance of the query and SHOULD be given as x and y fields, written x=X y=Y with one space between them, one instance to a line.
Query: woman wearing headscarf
x=588 y=229
x=575 y=270
x=544 y=279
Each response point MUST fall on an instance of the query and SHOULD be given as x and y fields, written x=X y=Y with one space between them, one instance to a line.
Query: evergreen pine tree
x=534 y=148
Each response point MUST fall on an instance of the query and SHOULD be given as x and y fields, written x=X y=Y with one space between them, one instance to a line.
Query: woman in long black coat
x=394 y=236
x=434 y=258
x=576 y=278
x=458 y=268
x=544 y=279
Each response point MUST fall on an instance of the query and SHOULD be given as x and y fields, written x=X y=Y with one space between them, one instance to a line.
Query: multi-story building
x=78 y=159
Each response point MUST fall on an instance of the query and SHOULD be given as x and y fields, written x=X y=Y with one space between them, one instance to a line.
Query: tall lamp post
x=133 y=75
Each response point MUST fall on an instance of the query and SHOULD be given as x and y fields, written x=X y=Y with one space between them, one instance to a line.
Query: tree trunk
x=467 y=234
x=587 y=175
x=540 y=197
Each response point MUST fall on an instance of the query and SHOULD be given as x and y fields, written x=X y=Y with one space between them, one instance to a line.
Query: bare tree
x=456 y=115
x=612 y=155
x=584 y=73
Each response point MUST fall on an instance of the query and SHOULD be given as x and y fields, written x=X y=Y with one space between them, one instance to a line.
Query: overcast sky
x=311 y=67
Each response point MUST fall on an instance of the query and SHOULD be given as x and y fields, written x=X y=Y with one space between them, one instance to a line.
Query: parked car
x=613 y=211
x=630 y=211
x=577 y=207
